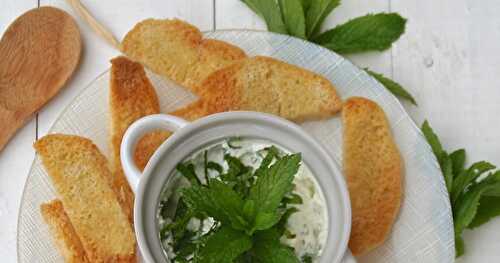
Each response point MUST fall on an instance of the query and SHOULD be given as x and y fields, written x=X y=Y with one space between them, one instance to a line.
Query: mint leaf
x=265 y=220
x=274 y=183
x=272 y=153
x=459 y=246
x=366 y=33
x=224 y=246
x=187 y=170
x=268 y=249
x=489 y=207
x=292 y=199
x=458 y=159
x=447 y=170
x=432 y=139
x=463 y=180
x=281 y=226
x=215 y=166
x=249 y=209
x=305 y=5
x=392 y=86
x=317 y=11
x=270 y=12
x=293 y=16
x=465 y=208
x=218 y=201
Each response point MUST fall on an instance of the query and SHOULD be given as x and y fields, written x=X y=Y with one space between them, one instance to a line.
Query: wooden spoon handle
x=94 y=24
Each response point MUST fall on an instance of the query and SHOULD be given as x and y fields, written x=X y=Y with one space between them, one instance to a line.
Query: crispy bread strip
x=177 y=50
x=63 y=233
x=147 y=146
x=373 y=169
x=267 y=85
x=79 y=173
x=131 y=97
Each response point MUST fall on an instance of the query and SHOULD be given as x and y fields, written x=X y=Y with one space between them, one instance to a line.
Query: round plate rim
x=90 y=83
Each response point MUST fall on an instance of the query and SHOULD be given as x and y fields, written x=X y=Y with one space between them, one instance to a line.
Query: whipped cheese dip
x=308 y=226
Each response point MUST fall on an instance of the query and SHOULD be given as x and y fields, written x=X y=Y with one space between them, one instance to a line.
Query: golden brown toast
x=373 y=169
x=146 y=147
x=63 y=233
x=79 y=172
x=177 y=50
x=131 y=97
x=267 y=85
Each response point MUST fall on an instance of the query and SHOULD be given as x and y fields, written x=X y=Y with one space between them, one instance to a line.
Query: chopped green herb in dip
x=242 y=200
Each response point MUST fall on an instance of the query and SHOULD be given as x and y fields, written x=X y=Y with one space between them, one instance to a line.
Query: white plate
x=424 y=229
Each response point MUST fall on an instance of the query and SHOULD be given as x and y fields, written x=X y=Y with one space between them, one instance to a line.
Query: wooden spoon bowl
x=38 y=53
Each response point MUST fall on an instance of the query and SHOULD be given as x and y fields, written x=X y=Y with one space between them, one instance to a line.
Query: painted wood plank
x=119 y=16
x=234 y=14
x=450 y=60
x=17 y=156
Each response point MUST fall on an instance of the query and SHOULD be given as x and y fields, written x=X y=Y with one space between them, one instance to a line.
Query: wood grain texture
x=39 y=51
x=119 y=16
x=13 y=168
x=450 y=60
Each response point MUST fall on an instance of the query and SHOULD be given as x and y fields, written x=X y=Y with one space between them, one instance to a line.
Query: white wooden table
x=449 y=59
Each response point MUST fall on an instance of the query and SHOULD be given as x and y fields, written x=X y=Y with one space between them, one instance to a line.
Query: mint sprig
x=224 y=246
x=372 y=32
x=474 y=195
x=250 y=210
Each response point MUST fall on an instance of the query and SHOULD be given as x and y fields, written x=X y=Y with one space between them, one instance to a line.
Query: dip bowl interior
x=208 y=130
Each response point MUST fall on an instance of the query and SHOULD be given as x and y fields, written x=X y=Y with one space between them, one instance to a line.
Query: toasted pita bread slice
x=63 y=233
x=373 y=169
x=131 y=97
x=177 y=50
x=79 y=172
x=266 y=85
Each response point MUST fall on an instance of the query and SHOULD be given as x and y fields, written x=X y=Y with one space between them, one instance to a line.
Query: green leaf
x=215 y=166
x=274 y=183
x=367 y=33
x=458 y=160
x=272 y=153
x=268 y=249
x=224 y=246
x=489 y=207
x=265 y=221
x=393 y=87
x=305 y=5
x=293 y=199
x=465 y=178
x=249 y=209
x=293 y=16
x=184 y=246
x=236 y=167
x=447 y=170
x=187 y=170
x=270 y=12
x=281 y=226
x=432 y=139
x=465 y=208
x=218 y=201
x=459 y=246
x=316 y=13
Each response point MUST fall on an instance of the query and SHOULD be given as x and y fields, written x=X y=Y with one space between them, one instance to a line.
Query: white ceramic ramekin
x=190 y=137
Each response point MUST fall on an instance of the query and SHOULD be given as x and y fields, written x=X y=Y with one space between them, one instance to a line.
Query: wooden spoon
x=38 y=54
